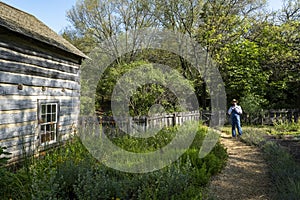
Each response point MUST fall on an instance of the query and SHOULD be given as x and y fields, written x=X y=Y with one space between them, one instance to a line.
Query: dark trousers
x=236 y=123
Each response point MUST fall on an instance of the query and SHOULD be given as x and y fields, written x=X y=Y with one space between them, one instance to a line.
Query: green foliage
x=254 y=136
x=253 y=104
x=278 y=45
x=133 y=144
x=283 y=127
x=142 y=96
x=69 y=172
x=257 y=54
x=284 y=171
x=244 y=74
x=13 y=185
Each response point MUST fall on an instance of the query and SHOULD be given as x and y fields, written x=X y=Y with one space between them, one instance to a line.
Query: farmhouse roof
x=28 y=25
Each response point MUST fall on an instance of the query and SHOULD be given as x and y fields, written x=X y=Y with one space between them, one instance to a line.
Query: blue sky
x=53 y=12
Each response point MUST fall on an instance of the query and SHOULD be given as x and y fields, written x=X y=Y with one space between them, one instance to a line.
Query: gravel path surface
x=245 y=175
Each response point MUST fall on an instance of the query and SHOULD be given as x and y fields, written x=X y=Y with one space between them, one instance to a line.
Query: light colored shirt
x=237 y=108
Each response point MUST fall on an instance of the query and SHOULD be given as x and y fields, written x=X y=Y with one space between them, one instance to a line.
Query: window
x=48 y=119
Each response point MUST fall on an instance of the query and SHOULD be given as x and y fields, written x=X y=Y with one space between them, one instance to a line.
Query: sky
x=53 y=12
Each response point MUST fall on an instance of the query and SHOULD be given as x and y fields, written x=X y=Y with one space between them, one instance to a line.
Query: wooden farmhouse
x=39 y=84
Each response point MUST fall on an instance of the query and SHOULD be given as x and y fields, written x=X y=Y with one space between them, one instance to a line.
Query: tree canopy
x=255 y=49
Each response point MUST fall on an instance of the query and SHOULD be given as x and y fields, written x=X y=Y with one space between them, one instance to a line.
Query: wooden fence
x=268 y=117
x=144 y=123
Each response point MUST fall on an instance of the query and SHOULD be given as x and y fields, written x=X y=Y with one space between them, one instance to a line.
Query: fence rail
x=144 y=123
x=112 y=126
x=268 y=117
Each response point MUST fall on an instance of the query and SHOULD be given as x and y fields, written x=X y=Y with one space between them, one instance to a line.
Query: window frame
x=43 y=133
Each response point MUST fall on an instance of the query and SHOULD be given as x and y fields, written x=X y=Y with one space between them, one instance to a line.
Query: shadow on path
x=245 y=175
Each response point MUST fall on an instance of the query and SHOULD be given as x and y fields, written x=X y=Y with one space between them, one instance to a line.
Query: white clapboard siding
x=8 y=54
x=13 y=117
x=27 y=76
x=23 y=49
x=21 y=68
x=15 y=102
x=19 y=141
x=12 y=89
x=19 y=152
x=33 y=80
x=19 y=129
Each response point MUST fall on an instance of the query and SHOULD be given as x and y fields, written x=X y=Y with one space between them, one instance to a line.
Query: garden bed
x=70 y=172
x=289 y=142
x=284 y=171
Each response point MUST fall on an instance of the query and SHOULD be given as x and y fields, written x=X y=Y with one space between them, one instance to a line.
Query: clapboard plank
x=30 y=80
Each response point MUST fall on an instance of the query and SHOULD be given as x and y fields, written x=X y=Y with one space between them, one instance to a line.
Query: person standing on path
x=235 y=111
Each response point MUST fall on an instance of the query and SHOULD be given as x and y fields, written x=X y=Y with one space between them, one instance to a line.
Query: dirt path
x=245 y=175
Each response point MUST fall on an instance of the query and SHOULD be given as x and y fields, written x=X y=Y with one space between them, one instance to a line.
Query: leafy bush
x=254 y=136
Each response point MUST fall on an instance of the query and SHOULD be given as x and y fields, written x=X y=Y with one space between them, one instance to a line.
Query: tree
x=142 y=96
x=278 y=40
x=222 y=24
x=256 y=51
x=101 y=20
x=244 y=74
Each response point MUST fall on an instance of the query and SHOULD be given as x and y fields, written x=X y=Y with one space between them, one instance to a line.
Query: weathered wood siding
x=42 y=75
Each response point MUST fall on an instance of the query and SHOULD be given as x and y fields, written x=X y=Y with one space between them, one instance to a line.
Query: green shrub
x=13 y=185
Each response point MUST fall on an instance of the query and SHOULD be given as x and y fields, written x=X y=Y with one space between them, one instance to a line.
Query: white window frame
x=48 y=118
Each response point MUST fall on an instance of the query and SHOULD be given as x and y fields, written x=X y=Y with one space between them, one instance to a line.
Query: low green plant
x=283 y=170
x=254 y=136
x=172 y=182
x=285 y=127
x=12 y=185
x=70 y=172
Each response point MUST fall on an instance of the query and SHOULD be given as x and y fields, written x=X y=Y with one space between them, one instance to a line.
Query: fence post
x=174 y=118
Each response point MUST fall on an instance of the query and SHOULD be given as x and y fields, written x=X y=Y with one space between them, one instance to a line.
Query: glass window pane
x=47 y=127
x=43 y=138
x=48 y=117
x=48 y=114
x=54 y=117
x=43 y=118
x=52 y=135
x=43 y=128
x=54 y=108
x=43 y=108
x=48 y=108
